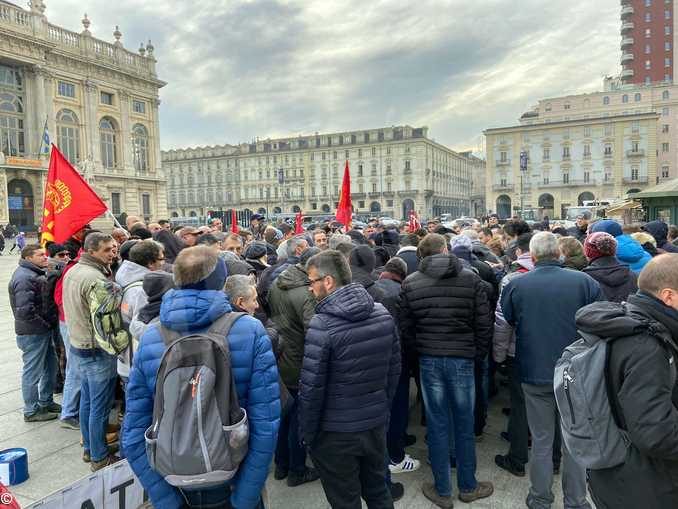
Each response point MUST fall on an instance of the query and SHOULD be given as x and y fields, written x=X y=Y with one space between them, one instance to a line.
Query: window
x=625 y=98
x=665 y=171
x=667 y=30
x=388 y=169
x=502 y=156
x=146 y=204
x=667 y=14
x=648 y=3
x=374 y=187
x=108 y=143
x=648 y=49
x=68 y=135
x=361 y=188
x=606 y=100
x=566 y=178
x=665 y=147
x=334 y=155
x=360 y=152
x=637 y=97
x=140 y=148
x=547 y=154
x=608 y=174
x=667 y=62
x=587 y=132
x=546 y=179
x=374 y=169
x=587 y=151
x=139 y=106
x=635 y=127
x=11 y=112
x=566 y=152
x=361 y=204
x=665 y=95
x=374 y=151
x=665 y=111
x=388 y=151
x=347 y=154
x=66 y=89
x=115 y=203
x=503 y=182
x=360 y=170
x=665 y=128
x=408 y=167
x=107 y=98
x=389 y=186
x=635 y=147
x=547 y=107
x=648 y=64
x=648 y=33
x=389 y=203
x=608 y=150
x=648 y=80
x=648 y=17
x=609 y=130
x=566 y=106
x=667 y=46
x=323 y=156
x=587 y=177
x=634 y=173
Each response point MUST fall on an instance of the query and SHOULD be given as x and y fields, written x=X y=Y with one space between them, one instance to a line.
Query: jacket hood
x=405 y=249
x=294 y=276
x=156 y=284
x=441 y=266
x=576 y=262
x=607 y=226
x=659 y=230
x=391 y=236
x=31 y=266
x=191 y=310
x=608 y=320
x=628 y=250
x=362 y=277
x=350 y=302
x=525 y=261
x=609 y=271
x=363 y=257
x=130 y=272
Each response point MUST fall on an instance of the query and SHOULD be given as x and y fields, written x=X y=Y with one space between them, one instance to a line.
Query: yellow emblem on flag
x=58 y=195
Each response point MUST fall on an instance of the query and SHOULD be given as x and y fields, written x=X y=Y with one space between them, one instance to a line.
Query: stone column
x=4 y=209
x=126 y=154
x=155 y=163
x=91 y=124
x=48 y=94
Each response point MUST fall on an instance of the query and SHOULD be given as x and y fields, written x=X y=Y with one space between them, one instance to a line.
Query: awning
x=669 y=188
x=620 y=208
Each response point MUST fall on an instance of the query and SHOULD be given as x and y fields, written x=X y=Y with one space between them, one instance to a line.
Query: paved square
x=54 y=453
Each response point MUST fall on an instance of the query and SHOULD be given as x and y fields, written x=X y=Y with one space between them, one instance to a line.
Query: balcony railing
x=626 y=26
x=642 y=179
x=626 y=42
x=502 y=187
x=635 y=153
x=627 y=74
x=505 y=162
x=626 y=57
x=627 y=11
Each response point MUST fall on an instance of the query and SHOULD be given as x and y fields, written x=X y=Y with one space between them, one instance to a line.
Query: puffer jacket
x=660 y=231
x=351 y=365
x=256 y=379
x=267 y=279
x=25 y=298
x=632 y=253
x=292 y=307
x=409 y=255
x=445 y=310
x=616 y=280
x=504 y=342
x=642 y=375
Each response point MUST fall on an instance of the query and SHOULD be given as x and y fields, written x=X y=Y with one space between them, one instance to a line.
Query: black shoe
x=410 y=440
x=41 y=416
x=309 y=475
x=71 y=423
x=397 y=491
x=505 y=463
x=280 y=473
x=53 y=407
x=556 y=469
x=506 y=411
x=505 y=436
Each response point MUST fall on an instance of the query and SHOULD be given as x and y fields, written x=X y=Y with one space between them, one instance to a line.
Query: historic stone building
x=100 y=104
x=478 y=171
x=393 y=170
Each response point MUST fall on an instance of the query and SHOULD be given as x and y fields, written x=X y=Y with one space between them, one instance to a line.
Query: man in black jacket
x=642 y=377
x=34 y=330
x=348 y=378
x=445 y=313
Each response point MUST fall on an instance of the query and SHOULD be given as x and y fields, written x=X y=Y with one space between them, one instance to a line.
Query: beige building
x=393 y=170
x=595 y=157
x=478 y=174
x=100 y=104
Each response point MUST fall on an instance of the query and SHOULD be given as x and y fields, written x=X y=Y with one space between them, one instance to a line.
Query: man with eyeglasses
x=59 y=256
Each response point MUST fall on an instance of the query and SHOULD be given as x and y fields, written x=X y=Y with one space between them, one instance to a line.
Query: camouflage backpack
x=110 y=332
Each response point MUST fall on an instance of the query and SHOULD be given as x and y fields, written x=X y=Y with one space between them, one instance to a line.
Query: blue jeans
x=39 y=372
x=448 y=388
x=70 y=403
x=98 y=373
x=289 y=453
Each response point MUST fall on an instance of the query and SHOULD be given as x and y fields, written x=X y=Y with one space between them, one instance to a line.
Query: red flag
x=298 y=223
x=345 y=208
x=413 y=221
x=69 y=201
x=234 y=222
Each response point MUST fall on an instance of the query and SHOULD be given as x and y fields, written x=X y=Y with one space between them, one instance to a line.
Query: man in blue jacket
x=348 y=378
x=193 y=306
x=541 y=305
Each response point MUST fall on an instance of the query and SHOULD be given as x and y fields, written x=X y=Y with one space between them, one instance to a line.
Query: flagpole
x=42 y=138
x=117 y=224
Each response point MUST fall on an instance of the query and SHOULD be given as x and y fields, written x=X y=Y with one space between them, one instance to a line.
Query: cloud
x=241 y=69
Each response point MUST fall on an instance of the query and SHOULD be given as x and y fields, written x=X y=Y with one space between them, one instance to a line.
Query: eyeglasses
x=160 y=259
x=62 y=255
x=314 y=281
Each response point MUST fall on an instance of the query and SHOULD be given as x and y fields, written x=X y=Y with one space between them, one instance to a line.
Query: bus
x=595 y=207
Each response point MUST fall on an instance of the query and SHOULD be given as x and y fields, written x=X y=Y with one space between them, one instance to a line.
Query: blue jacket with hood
x=256 y=377
x=628 y=250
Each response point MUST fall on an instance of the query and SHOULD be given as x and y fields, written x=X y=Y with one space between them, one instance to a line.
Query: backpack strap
x=220 y=327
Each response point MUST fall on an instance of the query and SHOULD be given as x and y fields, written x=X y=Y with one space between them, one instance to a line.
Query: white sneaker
x=408 y=464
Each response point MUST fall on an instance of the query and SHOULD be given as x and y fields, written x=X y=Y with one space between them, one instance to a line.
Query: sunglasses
x=62 y=255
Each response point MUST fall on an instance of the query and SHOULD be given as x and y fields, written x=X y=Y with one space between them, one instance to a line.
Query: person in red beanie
x=616 y=279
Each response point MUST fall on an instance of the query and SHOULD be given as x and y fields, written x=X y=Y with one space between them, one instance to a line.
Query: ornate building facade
x=393 y=170
x=99 y=102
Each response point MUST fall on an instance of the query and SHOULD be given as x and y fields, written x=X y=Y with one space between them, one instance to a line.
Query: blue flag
x=45 y=140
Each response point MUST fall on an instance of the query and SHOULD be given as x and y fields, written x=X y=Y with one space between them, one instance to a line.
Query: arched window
x=625 y=98
x=140 y=148
x=68 y=135
x=108 y=141
x=11 y=112
x=606 y=100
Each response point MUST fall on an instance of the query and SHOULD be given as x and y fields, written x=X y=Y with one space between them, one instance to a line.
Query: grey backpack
x=199 y=434
x=587 y=405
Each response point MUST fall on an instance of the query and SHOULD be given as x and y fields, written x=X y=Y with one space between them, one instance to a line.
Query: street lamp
x=524 y=158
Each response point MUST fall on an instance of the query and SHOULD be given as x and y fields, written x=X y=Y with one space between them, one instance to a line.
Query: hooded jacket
x=628 y=250
x=660 y=231
x=363 y=263
x=576 y=262
x=267 y=279
x=292 y=307
x=26 y=292
x=155 y=285
x=616 y=280
x=540 y=305
x=351 y=365
x=445 y=310
x=256 y=380
x=409 y=256
x=642 y=377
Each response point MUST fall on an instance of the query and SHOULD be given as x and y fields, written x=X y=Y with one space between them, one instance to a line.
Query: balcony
x=374 y=195
x=626 y=58
x=406 y=193
x=569 y=183
x=626 y=42
x=627 y=11
x=627 y=74
x=635 y=153
x=505 y=162
x=642 y=179
x=388 y=194
x=358 y=196
x=626 y=26
x=502 y=187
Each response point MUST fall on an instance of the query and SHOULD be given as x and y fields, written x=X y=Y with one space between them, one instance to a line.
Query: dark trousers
x=351 y=467
x=400 y=410
x=214 y=498
x=481 y=372
x=518 y=430
x=289 y=453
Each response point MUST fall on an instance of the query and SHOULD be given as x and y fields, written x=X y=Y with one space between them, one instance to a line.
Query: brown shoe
x=429 y=491
x=112 y=438
x=112 y=449
x=483 y=490
x=112 y=428
x=108 y=460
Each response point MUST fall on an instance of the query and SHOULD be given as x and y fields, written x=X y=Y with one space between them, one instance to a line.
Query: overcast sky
x=240 y=69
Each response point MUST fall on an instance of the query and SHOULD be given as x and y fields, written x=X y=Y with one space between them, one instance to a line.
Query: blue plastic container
x=13 y=466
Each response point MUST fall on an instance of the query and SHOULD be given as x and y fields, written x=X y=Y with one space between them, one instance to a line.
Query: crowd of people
x=324 y=332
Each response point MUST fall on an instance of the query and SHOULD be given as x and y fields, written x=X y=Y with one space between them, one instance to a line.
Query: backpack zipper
x=566 y=385
x=201 y=434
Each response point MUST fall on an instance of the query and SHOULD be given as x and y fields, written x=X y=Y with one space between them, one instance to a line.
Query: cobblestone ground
x=54 y=453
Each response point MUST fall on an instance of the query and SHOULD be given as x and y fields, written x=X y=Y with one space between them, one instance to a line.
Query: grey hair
x=544 y=246
x=339 y=238
x=294 y=243
x=471 y=234
x=194 y=264
x=94 y=240
x=238 y=286
x=331 y=263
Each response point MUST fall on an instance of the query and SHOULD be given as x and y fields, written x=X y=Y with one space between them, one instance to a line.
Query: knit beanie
x=363 y=257
x=255 y=250
x=600 y=244
x=607 y=226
